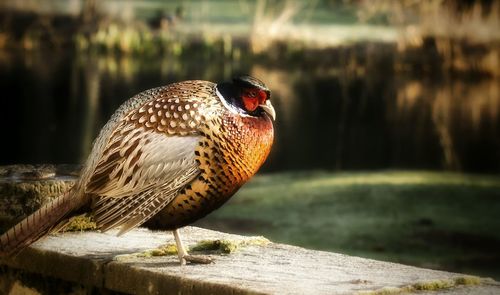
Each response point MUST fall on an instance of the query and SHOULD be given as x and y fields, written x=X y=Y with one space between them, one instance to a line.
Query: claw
x=198 y=259
x=184 y=256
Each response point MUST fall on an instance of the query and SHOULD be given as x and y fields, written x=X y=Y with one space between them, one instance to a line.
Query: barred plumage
x=176 y=152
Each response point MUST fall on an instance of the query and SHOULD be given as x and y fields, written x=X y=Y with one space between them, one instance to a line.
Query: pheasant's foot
x=181 y=251
x=198 y=259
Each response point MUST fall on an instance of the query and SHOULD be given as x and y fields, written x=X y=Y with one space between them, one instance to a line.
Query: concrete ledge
x=108 y=263
x=91 y=262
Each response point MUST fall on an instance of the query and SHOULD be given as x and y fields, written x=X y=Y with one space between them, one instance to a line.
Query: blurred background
x=388 y=128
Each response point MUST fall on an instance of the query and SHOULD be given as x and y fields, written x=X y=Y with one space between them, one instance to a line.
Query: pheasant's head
x=246 y=95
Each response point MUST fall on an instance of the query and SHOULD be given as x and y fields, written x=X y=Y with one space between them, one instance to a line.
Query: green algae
x=228 y=246
x=434 y=285
x=80 y=223
x=222 y=246
x=165 y=250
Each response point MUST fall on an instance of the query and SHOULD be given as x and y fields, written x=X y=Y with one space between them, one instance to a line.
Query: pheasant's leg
x=183 y=254
x=181 y=251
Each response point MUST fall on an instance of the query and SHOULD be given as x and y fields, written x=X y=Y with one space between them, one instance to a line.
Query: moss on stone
x=80 y=223
x=217 y=246
x=227 y=246
x=223 y=246
x=468 y=280
x=433 y=285
x=165 y=250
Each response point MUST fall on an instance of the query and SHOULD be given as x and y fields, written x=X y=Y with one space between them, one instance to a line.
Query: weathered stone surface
x=24 y=188
x=484 y=289
x=101 y=260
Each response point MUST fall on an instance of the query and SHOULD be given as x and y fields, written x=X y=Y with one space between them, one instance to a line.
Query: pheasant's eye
x=252 y=98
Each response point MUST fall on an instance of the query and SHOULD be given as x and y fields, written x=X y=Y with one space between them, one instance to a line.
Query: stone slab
x=107 y=261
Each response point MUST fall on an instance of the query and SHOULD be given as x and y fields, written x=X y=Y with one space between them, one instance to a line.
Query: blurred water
x=335 y=115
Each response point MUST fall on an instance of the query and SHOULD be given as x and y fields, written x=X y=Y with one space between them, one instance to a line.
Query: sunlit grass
x=438 y=220
x=404 y=178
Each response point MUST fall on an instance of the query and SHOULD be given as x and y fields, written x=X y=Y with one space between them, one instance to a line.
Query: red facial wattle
x=252 y=98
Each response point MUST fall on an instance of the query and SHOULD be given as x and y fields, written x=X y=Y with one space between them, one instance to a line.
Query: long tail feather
x=38 y=224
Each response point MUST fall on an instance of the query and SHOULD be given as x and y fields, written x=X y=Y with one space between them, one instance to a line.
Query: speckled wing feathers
x=149 y=157
x=163 y=165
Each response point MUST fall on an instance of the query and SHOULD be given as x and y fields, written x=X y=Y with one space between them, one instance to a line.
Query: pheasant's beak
x=269 y=109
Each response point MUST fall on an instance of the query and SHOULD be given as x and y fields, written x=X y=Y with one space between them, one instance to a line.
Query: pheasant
x=176 y=152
